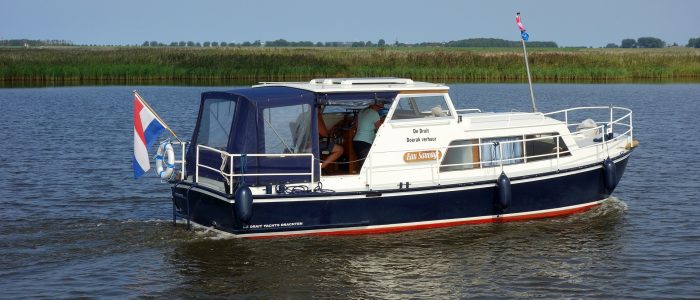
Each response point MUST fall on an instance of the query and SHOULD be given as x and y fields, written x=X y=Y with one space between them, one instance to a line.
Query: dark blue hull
x=542 y=195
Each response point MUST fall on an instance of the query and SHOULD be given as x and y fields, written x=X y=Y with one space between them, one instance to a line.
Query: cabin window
x=287 y=129
x=544 y=146
x=461 y=156
x=421 y=106
x=215 y=123
x=510 y=147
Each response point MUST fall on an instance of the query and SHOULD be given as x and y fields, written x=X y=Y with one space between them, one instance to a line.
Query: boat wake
x=612 y=207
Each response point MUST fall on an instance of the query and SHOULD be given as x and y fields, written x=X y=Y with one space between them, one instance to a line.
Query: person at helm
x=368 y=121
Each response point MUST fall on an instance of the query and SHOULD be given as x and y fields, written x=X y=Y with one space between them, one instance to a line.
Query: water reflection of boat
x=253 y=165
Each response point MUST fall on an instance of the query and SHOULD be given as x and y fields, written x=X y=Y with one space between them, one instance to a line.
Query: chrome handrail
x=230 y=175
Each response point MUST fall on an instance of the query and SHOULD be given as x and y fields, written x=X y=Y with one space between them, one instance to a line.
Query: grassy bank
x=122 y=64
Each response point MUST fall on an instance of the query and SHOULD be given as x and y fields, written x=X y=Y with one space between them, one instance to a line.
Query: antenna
x=524 y=37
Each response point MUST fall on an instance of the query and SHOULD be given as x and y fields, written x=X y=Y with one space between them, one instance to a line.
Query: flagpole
x=527 y=65
x=136 y=94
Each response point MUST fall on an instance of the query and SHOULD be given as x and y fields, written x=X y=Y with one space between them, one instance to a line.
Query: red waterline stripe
x=558 y=213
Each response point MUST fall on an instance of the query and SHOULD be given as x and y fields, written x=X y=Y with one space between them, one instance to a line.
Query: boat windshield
x=215 y=124
x=421 y=106
x=288 y=129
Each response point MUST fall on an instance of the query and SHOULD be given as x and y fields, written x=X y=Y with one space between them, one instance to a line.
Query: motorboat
x=253 y=165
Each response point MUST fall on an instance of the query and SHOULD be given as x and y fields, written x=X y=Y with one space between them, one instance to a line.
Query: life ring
x=165 y=170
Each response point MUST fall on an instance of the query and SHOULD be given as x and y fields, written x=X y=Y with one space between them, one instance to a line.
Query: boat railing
x=228 y=159
x=624 y=122
x=611 y=121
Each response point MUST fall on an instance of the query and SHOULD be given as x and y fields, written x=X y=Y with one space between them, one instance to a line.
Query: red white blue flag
x=147 y=129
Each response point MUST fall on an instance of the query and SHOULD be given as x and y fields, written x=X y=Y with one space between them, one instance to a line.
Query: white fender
x=165 y=170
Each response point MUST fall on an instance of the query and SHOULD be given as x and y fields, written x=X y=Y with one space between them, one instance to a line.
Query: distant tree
x=182 y=44
x=431 y=44
x=694 y=43
x=257 y=43
x=358 y=44
x=190 y=44
x=223 y=44
x=612 y=45
x=198 y=44
x=173 y=44
x=246 y=44
x=483 y=42
x=628 y=43
x=145 y=44
x=381 y=43
x=154 y=43
x=319 y=44
x=650 y=42
x=215 y=44
x=206 y=44
x=369 y=44
x=278 y=43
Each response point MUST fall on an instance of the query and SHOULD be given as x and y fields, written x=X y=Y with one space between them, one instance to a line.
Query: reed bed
x=90 y=64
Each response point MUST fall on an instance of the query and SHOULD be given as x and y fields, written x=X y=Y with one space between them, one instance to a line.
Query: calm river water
x=74 y=222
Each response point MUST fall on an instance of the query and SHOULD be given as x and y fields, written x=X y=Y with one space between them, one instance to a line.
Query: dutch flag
x=147 y=128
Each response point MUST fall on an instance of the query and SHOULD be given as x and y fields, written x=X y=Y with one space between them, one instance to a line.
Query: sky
x=568 y=23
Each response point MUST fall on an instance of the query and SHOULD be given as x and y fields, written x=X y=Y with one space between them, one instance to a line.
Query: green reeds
x=125 y=64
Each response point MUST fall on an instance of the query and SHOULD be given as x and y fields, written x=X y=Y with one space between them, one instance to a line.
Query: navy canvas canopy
x=247 y=132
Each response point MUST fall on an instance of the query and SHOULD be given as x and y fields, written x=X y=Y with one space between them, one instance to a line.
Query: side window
x=461 y=156
x=215 y=123
x=287 y=129
x=420 y=106
x=510 y=147
x=544 y=146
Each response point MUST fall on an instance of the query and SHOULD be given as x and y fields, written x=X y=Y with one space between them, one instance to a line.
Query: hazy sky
x=569 y=23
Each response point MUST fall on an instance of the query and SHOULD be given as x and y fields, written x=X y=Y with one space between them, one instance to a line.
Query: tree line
x=642 y=42
x=651 y=42
x=475 y=42
x=34 y=43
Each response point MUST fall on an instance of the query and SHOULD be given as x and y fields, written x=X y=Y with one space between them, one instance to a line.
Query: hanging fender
x=165 y=160
x=609 y=175
x=504 y=191
x=243 y=207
